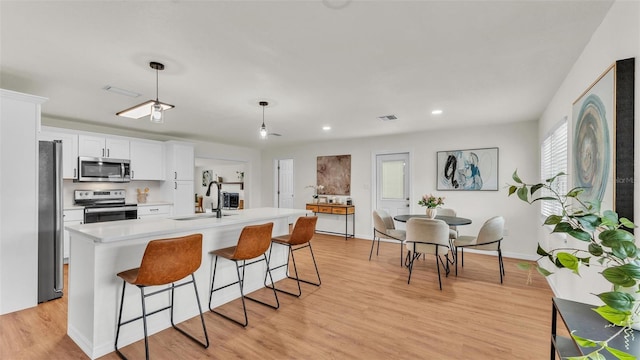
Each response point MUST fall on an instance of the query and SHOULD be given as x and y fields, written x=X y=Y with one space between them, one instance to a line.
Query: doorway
x=283 y=183
x=393 y=183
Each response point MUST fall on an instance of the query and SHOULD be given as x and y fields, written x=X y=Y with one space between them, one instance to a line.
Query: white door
x=284 y=185
x=392 y=183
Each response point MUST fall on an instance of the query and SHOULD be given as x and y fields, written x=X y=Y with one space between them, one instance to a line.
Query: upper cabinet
x=69 y=151
x=180 y=160
x=97 y=146
x=147 y=160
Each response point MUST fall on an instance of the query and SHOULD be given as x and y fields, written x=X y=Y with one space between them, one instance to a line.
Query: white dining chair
x=384 y=228
x=489 y=238
x=428 y=236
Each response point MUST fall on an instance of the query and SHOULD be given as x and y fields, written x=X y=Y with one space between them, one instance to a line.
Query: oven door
x=110 y=213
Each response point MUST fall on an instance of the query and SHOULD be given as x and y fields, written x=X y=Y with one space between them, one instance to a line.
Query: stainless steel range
x=105 y=205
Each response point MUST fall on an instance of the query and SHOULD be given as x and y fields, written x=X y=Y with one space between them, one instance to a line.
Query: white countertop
x=131 y=229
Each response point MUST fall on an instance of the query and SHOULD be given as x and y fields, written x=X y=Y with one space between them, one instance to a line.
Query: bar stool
x=299 y=238
x=164 y=262
x=253 y=243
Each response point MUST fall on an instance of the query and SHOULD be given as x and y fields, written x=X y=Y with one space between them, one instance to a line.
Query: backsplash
x=155 y=193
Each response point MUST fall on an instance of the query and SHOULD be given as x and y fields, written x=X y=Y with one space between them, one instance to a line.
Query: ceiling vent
x=388 y=118
x=120 y=91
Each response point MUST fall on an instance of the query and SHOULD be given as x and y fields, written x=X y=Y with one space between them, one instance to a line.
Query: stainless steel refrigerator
x=50 y=230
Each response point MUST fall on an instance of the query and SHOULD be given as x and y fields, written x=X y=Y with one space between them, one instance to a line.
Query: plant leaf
x=569 y=261
x=515 y=177
x=610 y=237
x=553 y=220
x=524 y=266
x=544 y=272
x=618 y=275
x=584 y=342
x=512 y=189
x=541 y=251
x=522 y=193
x=595 y=249
x=624 y=249
x=620 y=354
x=535 y=188
x=580 y=234
x=562 y=227
x=618 y=300
x=612 y=315
x=627 y=223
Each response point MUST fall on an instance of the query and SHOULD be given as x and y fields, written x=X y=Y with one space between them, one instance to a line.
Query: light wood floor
x=363 y=310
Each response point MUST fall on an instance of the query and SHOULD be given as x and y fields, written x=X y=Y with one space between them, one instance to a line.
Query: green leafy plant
x=609 y=245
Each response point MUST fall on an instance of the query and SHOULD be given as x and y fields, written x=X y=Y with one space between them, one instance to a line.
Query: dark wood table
x=450 y=220
x=588 y=324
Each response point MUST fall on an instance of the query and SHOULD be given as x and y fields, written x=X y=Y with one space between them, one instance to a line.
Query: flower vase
x=431 y=213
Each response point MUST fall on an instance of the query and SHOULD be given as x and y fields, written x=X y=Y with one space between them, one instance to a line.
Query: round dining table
x=450 y=220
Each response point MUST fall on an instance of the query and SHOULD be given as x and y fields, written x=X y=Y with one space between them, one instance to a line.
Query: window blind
x=553 y=160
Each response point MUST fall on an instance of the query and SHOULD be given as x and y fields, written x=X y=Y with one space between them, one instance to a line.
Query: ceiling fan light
x=263 y=131
x=152 y=108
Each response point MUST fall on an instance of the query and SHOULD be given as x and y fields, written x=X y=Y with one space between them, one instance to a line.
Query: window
x=554 y=160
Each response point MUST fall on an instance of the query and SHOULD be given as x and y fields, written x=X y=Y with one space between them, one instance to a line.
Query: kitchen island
x=101 y=250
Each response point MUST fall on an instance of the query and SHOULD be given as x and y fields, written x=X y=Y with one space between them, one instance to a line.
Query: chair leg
x=373 y=242
x=401 y=252
x=240 y=284
x=124 y=284
x=501 y=264
x=268 y=273
x=295 y=270
x=144 y=324
x=204 y=329
x=438 y=261
x=409 y=265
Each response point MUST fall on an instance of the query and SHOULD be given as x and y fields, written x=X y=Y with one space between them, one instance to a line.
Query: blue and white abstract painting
x=468 y=170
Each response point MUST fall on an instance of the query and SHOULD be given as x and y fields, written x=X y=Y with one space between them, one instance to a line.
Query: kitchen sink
x=206 y=216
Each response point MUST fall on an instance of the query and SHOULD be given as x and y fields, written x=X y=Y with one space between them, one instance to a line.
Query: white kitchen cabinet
x=147 y=160
x=69 y=151
x=180 y=160
x=98 y=146
x=182 y=196
x=153 y=211
x=70 y=217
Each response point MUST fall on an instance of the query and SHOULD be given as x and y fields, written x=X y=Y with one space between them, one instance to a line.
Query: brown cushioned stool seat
x=299 y=238
x=252 y=245
x=165 y=262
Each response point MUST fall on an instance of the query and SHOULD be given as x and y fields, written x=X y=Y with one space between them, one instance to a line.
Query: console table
x=337 y=209
x=587 y=324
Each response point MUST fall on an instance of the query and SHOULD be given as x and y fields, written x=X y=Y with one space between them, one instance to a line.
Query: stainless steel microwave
x=92 y=169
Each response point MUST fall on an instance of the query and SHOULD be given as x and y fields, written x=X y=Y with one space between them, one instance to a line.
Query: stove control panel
x=96 y=196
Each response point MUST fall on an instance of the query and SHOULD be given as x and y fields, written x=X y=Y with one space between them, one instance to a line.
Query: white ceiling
x=341 y=63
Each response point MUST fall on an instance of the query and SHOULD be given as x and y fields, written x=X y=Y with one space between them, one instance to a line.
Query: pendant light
x=263 y=128
x=153 y=109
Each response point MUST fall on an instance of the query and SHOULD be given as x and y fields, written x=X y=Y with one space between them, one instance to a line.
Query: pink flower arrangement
x=431 y=201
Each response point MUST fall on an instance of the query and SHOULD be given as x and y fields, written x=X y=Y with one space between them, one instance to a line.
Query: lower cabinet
x=153 y=211
x=71 y=217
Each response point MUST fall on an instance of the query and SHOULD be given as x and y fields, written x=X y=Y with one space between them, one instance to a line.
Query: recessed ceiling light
x=326 y=128
x=436 y=112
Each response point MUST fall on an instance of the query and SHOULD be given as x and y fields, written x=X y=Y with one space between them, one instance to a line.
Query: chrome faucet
x=219 y=209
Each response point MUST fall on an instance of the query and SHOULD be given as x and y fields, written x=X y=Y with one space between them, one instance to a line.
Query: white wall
x=518 y=148
x=618 y=37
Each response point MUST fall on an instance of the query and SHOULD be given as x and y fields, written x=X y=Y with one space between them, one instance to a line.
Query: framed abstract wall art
x=603 y=140
x=334 y=173
x=467 y=170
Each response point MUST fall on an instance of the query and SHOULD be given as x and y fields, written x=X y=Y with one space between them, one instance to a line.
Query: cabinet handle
x=132 y=172
x=175 y=186
x=102 y=152
x=153 y=210
x=107 y=152
x=74 y=173
x=175 y=175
